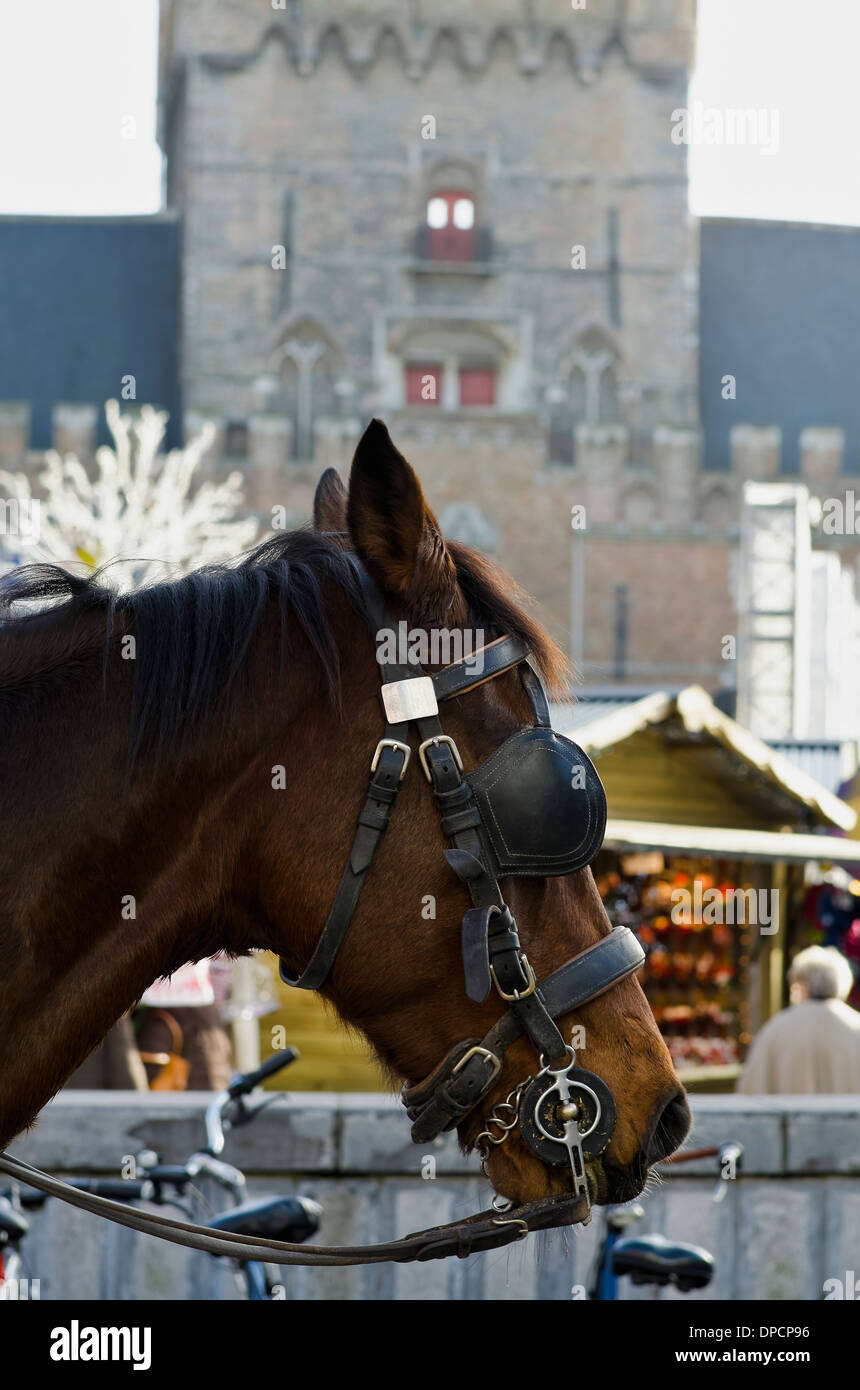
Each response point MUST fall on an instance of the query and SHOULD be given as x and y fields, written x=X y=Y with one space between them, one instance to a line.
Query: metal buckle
x=439 y=738
x=480 y=1052
x=414 y=698
x=392 y=743
x=517 y=994
x=513 y=1221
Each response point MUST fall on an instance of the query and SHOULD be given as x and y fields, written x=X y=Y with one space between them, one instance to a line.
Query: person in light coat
x=813 y=1046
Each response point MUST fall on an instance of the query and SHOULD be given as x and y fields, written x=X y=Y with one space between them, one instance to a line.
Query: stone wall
x=790 y=1222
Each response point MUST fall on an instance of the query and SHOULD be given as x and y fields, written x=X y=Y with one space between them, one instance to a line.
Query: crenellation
x=676 y=454
x=601 y=452
x=656 y=38
x=822 y=453
x=15 y=417
x=74 y=428
x=756 y=452
x=269 y=446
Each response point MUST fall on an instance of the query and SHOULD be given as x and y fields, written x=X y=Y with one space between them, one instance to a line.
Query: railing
x=451 y=248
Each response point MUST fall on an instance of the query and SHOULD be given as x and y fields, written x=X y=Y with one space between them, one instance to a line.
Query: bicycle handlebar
x=118 y=1189
x=245 y=1084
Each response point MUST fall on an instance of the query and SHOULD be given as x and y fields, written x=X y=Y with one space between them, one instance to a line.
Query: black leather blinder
x=542 y=804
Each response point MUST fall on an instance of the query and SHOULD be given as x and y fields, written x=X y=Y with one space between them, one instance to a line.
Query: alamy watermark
x=437 y=646
x=840 y=516
x=735 y=907
x=730 y=125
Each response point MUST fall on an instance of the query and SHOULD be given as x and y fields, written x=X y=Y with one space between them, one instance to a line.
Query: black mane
x=193 y=633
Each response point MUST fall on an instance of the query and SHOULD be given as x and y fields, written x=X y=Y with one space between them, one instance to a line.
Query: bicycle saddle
x=655 y=1260
x=274 y=1218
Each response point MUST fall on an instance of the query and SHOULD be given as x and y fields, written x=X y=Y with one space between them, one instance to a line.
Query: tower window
x=463 y=214
x=437 y=213
x=451 y=226
x=423 y=383
x=477 y=386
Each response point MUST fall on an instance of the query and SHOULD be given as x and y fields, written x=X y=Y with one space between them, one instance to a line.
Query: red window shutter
x=477 y=386
x=450 y=242
x=423 y=384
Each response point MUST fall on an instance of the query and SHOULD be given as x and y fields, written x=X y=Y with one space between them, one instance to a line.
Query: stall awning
x=730 y=844
x=689 y=720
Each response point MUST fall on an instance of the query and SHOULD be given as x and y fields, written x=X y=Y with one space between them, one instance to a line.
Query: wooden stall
x=708 y=837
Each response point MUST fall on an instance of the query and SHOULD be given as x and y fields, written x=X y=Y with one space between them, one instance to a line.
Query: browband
x=495 y=658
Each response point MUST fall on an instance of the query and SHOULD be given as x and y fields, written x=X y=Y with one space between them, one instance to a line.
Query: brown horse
x=145 y=822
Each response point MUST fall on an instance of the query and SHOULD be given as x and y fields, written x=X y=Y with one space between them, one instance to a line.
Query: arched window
x=587 y=393
x=307 y=361
x=450 y=223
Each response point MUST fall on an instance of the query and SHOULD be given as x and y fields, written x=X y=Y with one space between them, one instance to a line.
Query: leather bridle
x=490 y=941
x=565 y=1114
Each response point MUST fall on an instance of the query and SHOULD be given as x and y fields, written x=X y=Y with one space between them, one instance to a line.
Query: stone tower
x=469 y=219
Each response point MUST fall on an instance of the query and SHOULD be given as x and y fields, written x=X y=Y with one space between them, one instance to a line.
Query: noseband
x=536 y=807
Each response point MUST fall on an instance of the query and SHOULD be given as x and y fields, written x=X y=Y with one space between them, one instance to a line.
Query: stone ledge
x=361 y=1133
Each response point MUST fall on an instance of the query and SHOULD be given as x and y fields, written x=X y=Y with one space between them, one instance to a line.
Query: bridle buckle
x=488 y=1056
x=434 y=742
x=518 y=993
x=392 y=743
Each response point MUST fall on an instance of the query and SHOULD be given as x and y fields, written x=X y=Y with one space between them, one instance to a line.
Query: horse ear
x=330 y=503
x=395 y=532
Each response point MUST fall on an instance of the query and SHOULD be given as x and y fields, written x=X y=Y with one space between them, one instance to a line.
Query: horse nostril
x=671 y=1128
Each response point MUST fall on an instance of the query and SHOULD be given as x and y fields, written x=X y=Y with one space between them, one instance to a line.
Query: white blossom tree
x=140 y=509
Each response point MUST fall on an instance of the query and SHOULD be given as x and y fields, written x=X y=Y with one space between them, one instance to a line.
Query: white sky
x=799 y=58
x=73 y=71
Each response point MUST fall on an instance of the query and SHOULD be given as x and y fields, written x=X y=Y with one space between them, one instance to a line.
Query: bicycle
x=277 y=1218
x=653 y=1259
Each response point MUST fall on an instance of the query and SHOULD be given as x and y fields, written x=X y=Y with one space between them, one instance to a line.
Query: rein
x=535 y=807
x=488 y=1230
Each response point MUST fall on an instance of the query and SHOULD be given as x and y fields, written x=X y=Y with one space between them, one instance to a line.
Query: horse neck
x=105 y=887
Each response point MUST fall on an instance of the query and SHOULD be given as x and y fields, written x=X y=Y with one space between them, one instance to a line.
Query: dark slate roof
x=779 y=310
x=83 y=302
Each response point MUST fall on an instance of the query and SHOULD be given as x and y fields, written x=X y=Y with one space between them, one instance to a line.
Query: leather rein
x=470 y=1070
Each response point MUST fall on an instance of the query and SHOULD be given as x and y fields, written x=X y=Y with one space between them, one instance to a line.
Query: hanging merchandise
x=696 y=974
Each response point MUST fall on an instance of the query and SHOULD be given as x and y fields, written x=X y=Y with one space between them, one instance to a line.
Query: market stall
x=711 y=842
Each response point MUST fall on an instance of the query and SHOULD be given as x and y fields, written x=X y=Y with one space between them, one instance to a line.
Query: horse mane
x=193 y=634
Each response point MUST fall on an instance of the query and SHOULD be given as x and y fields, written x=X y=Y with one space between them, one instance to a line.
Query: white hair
x=824 y=971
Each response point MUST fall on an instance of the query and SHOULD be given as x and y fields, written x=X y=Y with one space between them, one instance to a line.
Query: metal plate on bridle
x=545 y=1114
